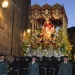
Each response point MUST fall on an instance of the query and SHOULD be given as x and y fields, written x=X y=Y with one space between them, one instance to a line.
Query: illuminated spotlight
x=28 y=30
x=5 y=4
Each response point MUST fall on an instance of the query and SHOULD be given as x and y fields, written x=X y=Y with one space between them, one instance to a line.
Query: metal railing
x=45 y=69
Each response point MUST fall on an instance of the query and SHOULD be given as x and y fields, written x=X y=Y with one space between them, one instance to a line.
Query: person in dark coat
x=33 y=67
x=65 y=67
x=3 y=65
x=14 y=67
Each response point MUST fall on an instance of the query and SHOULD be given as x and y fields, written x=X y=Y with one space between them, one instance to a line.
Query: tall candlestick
x=31 y=29
x=34 y=28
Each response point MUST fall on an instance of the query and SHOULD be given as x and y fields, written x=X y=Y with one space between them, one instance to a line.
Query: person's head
x=65 y=58
x=2 y=57
x=47 y=22
x=33 y=58
x=17 y=59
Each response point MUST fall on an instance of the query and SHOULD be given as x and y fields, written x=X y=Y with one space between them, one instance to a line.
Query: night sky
x=69 y=6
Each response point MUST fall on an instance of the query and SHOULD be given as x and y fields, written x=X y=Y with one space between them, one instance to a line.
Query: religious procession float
x=48 y=36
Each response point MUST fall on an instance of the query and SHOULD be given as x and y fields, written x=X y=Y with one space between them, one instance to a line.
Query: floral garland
x=36 y=46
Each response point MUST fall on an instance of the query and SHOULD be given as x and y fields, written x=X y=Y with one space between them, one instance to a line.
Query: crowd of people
x=33 y=68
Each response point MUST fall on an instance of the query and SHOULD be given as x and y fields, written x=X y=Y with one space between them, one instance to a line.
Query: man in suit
x=65 y=67
x=33 y=67
x=3 y=65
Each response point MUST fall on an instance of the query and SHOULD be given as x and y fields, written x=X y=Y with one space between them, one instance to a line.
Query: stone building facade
x=13 y=21
x=71 y=35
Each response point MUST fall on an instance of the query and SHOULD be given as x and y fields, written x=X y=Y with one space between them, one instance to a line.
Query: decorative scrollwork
x=57 y=11
x=46 y=6
x=35 y=11
x=56 y=6
x=46 y=11
x=36 y=6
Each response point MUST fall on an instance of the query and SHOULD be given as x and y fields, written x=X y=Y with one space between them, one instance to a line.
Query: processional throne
x=55 y=13
x=45 y=44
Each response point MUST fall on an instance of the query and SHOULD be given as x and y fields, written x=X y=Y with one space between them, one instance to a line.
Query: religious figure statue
x=47 y=30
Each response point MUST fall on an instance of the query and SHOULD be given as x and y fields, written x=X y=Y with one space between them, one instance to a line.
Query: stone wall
x=16 y=31
x=13 y=21
x=6 y=31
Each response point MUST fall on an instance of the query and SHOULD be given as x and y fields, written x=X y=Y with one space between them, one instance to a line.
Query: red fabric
x=48 y=25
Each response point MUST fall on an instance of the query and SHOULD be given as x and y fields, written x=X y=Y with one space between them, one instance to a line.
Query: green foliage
x=60 y=41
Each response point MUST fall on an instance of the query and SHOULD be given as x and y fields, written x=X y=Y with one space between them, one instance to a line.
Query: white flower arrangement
x=35 y=45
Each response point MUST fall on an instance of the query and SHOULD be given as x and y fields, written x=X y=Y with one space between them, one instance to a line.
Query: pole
x=12 y=27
